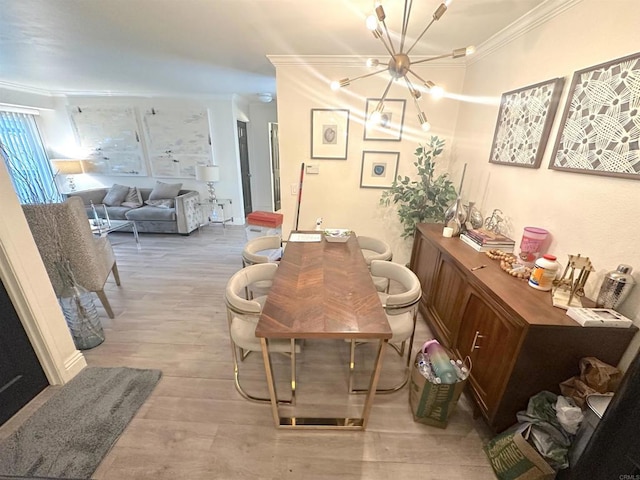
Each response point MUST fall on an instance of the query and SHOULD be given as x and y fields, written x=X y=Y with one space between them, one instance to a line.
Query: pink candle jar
x=531 y=244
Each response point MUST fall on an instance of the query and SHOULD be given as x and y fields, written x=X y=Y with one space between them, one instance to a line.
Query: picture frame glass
x=524 y=122
x=599 y=131
x=329 y=133
x=389 y=126
x=379 y=169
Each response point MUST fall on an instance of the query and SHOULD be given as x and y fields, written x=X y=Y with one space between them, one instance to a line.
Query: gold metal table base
x=322 y=423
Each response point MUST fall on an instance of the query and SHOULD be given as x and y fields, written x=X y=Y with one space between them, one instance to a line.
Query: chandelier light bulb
x=471 y=50
x=436 y=92
x=375 y=118
x=426 y=126
x=335 y=85
x=372 y=22
x=372 y=62
x=447 y=3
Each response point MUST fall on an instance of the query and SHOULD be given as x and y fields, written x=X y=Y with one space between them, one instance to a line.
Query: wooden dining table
x=323 y=290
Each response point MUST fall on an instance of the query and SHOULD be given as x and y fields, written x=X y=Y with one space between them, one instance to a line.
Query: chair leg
x=116 y=274
x=105 y=303
x=352 y=364
x=252 y=398
x=293 y=371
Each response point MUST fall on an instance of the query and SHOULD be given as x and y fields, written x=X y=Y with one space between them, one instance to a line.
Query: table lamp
x=69 y=168
x=209 y=174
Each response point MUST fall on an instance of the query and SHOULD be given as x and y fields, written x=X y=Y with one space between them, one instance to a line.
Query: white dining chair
x=375 y=249
x=254 y=253
x=242 y=317
x=402 y=311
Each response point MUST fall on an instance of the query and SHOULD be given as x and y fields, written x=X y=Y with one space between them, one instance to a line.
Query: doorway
x=245 y=173
x=21 y=376
x=275 y=165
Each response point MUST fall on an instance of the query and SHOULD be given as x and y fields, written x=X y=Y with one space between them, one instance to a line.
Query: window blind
x=27 y=163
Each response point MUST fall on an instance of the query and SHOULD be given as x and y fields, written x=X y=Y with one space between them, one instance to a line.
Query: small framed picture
x=379 y=169
x=389 y=126
x=329 y=133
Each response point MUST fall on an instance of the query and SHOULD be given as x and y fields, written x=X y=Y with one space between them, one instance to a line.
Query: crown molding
x=536 y=17
x=350 y=60
x=25 y=89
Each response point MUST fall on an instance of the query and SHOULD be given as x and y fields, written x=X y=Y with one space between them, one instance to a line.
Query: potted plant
x=426 y=198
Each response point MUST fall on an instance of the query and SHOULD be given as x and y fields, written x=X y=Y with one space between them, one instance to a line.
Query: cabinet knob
x=475 y=339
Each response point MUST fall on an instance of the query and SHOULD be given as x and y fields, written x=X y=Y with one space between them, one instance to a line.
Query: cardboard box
x=265 y=219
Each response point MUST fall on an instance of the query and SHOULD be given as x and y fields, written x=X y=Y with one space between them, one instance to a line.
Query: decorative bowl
x=337 y=235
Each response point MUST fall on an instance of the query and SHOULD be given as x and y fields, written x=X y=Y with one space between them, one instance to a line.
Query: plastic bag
x=547 y=434
x=568 y=414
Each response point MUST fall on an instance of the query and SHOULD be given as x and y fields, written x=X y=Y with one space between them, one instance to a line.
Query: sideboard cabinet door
x=490 y=338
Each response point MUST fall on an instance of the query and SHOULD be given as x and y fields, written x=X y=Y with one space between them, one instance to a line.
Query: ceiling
x=210 y=47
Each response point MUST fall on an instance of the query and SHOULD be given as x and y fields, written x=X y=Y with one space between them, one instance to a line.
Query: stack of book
x=482 y=240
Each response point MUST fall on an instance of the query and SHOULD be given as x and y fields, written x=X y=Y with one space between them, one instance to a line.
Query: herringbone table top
x=323 y=290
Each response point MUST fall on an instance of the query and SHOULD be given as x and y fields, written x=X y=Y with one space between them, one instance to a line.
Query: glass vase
x=455 y=216
x=474 y=216
x=79 y=312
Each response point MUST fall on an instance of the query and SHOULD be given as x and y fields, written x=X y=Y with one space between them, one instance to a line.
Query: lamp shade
x=208 y=173
x=67 y=167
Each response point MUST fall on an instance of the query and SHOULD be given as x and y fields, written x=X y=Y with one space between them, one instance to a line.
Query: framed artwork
x=524 y=122
x=379 y=169
x=599 y=131
x=391 y=120
x=329 y=133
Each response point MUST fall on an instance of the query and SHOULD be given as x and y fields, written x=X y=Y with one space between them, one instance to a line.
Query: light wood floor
x=170 y=316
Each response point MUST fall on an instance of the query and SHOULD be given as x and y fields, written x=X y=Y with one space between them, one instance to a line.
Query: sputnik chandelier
x=399 y=66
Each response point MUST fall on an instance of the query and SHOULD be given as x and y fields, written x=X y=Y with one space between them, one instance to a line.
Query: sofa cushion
x=161 y=203
x=165 y=190
x=133 y=198
x=151 y=213
x=116 y=195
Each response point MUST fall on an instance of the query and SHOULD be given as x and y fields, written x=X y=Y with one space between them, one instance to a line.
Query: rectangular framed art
x=524 y=122
x=329 y=133
x=599 y=131
x=391 y=120
x=379 y=169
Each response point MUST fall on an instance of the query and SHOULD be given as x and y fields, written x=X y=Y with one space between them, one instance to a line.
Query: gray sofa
x=183 y=217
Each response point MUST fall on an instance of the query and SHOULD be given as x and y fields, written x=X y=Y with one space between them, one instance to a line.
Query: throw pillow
x=133 y=199
x=165 y=190
x=116 y=195
x=161 y=203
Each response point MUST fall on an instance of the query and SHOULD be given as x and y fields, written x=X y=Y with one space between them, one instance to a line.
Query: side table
x=215 y=212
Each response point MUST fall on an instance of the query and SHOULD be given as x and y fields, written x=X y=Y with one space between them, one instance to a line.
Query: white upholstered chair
x=242 y=317
x=401 y=309
x=253 y=253
x=62 y=231
x=374 y=249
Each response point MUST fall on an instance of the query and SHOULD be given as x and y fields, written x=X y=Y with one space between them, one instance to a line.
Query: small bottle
x=544 y=273
x=441 y=362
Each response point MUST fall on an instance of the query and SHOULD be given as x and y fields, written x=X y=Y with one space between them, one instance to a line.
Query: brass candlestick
x=569 y=289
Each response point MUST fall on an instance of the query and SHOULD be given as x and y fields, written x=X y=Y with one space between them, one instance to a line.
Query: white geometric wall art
x=524 y=122
x=600 y=128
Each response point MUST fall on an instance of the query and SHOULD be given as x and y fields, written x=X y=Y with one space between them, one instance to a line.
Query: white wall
x=335 y=194
x=592 y=215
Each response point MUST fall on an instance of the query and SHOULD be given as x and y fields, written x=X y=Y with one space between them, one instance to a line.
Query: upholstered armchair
x=61 y=230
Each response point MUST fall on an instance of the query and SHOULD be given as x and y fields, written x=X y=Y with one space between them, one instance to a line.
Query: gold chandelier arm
x=386 y=91
x=419 y=77
x=378 y=34
x=408 y=4
x=386 y=31
x=349 y=80
x=430 y=59
x=421 y=35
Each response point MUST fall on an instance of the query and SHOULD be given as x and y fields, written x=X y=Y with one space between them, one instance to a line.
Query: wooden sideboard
x=518 y=342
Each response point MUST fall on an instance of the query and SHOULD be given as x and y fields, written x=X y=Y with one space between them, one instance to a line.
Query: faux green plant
x=426 y=198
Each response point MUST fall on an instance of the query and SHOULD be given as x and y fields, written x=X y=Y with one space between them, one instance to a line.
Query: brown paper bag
x=513 y=458
x=595 y=377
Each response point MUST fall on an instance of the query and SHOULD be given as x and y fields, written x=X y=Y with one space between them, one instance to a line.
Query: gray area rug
x=70 y=434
